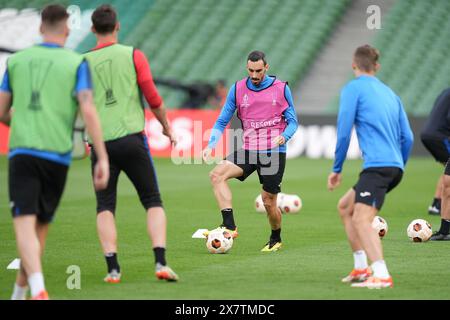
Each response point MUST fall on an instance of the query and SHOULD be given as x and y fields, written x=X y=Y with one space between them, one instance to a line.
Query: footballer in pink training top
x=265 y=107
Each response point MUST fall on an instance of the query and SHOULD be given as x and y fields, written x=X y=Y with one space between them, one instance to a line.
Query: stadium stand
x=211 y=39
x=414 y=43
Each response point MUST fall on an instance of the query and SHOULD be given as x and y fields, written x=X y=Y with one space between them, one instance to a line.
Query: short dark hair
x=53 y=14
x=222 y=82
x=256 y=56
x=104 y=19
x=366 y=58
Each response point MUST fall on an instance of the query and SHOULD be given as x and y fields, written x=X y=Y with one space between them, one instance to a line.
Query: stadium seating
x=209 y=40
x=414 y=43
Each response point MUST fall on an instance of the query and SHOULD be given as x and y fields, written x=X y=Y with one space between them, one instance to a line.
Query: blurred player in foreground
x=39 y=86
x=385 y=138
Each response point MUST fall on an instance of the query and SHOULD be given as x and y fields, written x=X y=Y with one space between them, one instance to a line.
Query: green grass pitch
x=310 y=265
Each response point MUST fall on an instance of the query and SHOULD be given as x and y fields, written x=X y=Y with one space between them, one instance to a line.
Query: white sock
x=19 y=293
x=380 y=270
x=36 y=282
x=360 y=259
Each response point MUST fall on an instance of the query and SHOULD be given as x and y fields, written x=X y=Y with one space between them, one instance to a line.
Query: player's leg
x=439 y=150
x=36 y=186
x=346 y=206
x=444 y=231
x=274 y=216
x=370 y=192
x=435 y=207
x=141 y=171
x=21 y=286
x=219 y=177
x=106 y=207
x=29 y=250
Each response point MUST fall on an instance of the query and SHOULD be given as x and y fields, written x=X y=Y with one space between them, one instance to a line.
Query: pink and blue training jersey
x=384 y=135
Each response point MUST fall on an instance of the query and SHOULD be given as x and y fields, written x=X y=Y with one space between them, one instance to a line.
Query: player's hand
x=101 y=174
x=206 y=154
x=169 y=134
x=278 y=141
x=334 y=180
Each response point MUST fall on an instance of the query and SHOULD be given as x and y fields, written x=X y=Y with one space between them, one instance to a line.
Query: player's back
x=42 y=80
x=379 y=122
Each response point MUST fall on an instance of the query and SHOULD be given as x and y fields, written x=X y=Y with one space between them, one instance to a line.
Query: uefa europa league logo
x=39 y=69
x=104 y=73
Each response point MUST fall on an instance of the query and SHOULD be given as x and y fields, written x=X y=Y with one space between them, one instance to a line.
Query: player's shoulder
x=352 y=85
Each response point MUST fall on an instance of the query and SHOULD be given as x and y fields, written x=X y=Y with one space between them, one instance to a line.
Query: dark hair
x=256 y=56
x=366 y=58
x=104 y=19
x=53 y=14
x=222 y=82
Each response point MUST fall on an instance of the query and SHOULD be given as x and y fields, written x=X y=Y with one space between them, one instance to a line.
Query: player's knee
x=216 y=177
x=343 y=208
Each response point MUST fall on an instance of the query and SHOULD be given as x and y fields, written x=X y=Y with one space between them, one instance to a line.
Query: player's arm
x=222 y=121
x=345 y=121
x=406 y=134
x=291 y=118
x=148 y=89
x=5 y=100
x=87 y=108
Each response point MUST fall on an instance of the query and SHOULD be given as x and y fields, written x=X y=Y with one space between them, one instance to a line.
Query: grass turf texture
x=314 y=257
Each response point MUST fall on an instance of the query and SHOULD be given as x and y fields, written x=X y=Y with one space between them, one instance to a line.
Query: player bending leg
x=257 y=97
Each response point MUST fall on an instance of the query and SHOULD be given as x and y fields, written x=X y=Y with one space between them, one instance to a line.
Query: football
x=219 y=241
x=380 y=226
x=291 y=203
x=419 y=230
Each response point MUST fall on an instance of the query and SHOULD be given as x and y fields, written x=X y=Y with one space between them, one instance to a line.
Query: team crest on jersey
x=245 y=103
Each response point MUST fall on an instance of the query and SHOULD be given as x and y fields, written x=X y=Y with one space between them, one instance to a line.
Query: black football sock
x=228 y=219
x=445 y=226
x=437 y=203
x=111 y=261
x=276 y=235
x=160 y=255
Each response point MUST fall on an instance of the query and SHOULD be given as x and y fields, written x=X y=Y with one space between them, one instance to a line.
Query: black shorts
x=270 y=167
x=437 y=147
x=374 y=183
x=35 y=186
x=131 y=155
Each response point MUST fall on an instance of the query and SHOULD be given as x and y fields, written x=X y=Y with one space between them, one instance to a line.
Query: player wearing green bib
x=39 y=86
x=119 y=72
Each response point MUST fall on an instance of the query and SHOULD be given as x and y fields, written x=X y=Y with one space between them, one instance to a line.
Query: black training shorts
x=35 y=186
x=270 y=167
x=438 y=148
x=374 y=183
x=131 y=155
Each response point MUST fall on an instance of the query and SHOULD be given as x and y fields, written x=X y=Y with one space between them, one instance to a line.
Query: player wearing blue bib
x=385 y=138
